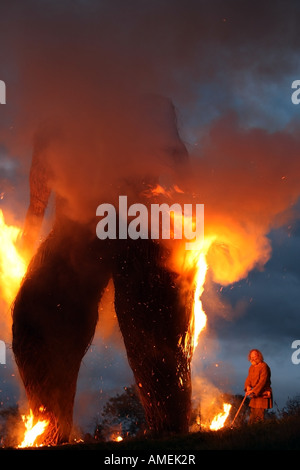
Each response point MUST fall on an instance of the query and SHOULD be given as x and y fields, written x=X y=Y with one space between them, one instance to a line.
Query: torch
x=238 y=411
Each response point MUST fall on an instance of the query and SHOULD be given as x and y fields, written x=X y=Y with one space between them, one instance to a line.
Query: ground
x=272 y=435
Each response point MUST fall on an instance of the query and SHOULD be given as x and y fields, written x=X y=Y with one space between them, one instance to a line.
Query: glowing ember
x=219 y=420
x=12 y=265
x=33 y=431
x=116 y=437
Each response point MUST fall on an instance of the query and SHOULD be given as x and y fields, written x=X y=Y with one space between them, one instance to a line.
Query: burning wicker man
x=258 y=386
x=56 y=309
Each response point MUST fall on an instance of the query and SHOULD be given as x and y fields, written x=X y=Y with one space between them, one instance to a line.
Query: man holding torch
x=258 y=386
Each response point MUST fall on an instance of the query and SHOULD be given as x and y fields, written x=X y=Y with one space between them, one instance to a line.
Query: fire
x=12 y=264
x=199 y=316
x=219 y=420
x=13 y=267
x=196 y=260
x=115 y=437
x=159 y=190
x=33 y=431
x=12 y=270
x=206 y=422
x=185 y=261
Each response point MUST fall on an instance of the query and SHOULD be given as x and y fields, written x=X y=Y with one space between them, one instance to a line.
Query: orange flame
x=199 y=316
x=219 y=420
x=33 y=430
x=13 y=267
x=12 y=264
x=196 y=260
x=159 y=190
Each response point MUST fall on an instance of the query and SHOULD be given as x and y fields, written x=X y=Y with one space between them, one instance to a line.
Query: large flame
x=186 y=262
x=34 y=429
x=195 y=261
x=219 y=420
x=199 y=317
x=13 y=267
x=12 y=264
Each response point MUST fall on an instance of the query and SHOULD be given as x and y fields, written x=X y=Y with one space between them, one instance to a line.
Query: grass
x=283 y=434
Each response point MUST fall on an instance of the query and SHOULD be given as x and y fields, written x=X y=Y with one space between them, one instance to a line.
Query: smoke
x=75 y=73
x=80 y=59
x=78 y=70
x=248 y=180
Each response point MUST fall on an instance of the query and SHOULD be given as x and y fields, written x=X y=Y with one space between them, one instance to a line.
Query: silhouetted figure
x=56 y=310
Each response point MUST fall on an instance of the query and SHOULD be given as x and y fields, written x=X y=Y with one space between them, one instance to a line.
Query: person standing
x=258 y=386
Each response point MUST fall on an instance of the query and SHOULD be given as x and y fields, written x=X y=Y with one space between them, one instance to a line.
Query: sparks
x=12 y=264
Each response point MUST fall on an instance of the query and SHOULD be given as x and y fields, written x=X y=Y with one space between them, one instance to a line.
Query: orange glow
x=207 y=419
x=199 y=316
x=219 y=420
x=12 y=264
x=195 y=261
x=33 y=430
x=159 y=190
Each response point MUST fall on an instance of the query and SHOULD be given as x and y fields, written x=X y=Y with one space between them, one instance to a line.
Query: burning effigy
x=92 y=119
x=55 y=285
x=56 y=308
x=58 y=284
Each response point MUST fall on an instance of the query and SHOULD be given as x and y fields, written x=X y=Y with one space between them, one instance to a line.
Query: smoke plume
x=75 y=74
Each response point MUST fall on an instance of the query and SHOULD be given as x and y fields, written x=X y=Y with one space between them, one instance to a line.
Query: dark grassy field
x=281 y=434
